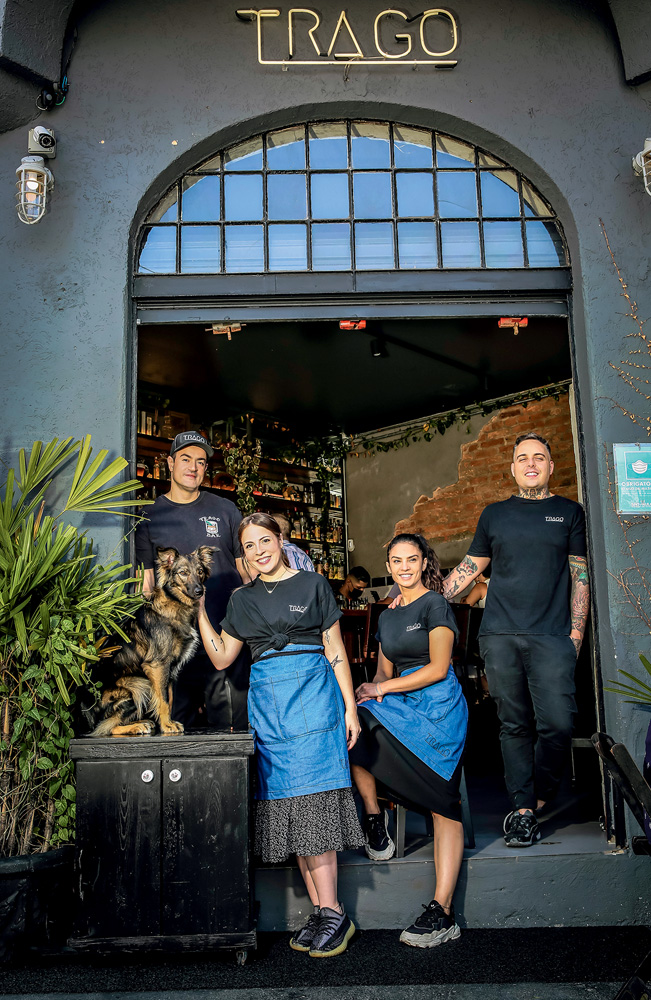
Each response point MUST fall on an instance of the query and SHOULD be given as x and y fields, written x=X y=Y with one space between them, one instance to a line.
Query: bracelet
x=378 y=690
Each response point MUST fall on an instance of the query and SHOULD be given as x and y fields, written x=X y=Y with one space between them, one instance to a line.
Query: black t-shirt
x=404 y=631
x=529 y=542
x=208 y=520
x=268 y=615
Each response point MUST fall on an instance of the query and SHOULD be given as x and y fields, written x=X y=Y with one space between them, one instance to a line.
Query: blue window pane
x=166 y=209
x=244 y=248
x=200 y=249
x=417 y=244
x=245 y=156
x=243 y=198
x=372 y=196
x=460 y=243
x=200 y=199
x=370 y=145
x=287 y=248
x=328 y=146
x=158 y=254
x=331 y=247
x=374 y=246
x=452 y=153
x=499 y=194
x=286 y=149
x=503 y=244
x=415 y=195
x=412 y=147
x=544 y=245
x=330 y=196
x=457 y=195
x=286 y=197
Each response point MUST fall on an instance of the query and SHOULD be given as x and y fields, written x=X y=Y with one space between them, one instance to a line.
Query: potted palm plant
x=58 y=605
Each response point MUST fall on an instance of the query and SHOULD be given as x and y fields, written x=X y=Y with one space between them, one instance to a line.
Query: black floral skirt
x=306 y=825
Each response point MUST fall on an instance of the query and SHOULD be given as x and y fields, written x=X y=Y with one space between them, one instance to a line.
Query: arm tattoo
x=337 y=660
x=221 y=642
x=459 y=577
x=326 y=635
x=580 y=593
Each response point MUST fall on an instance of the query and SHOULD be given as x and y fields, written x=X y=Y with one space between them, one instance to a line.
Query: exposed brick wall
x=485 y=470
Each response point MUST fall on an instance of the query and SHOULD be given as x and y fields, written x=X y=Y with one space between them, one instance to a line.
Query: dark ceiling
x=319 y=378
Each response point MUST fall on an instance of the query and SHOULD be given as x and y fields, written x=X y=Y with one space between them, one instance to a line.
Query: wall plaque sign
x=392 y=37
x=633 y=477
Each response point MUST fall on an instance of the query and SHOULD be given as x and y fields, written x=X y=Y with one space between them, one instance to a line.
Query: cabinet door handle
x=175 y=774
x=147 y=776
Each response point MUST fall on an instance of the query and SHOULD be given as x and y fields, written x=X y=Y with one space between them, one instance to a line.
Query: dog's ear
x=166 y=557
x=205 y=554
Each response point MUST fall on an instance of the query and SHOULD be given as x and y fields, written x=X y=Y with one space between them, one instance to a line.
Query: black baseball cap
x=188 y=438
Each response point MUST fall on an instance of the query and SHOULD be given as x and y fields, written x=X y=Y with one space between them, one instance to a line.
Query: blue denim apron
x=431 y=722
x=296 y=711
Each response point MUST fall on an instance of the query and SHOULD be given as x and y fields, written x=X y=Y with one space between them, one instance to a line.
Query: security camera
x=42 y=142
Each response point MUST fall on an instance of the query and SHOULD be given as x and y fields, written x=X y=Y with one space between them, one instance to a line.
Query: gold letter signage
x=426 y=39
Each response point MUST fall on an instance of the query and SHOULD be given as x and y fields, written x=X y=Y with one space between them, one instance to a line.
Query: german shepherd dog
x=163 y=636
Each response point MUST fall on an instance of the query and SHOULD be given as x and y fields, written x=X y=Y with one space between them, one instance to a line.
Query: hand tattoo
x=459 y=577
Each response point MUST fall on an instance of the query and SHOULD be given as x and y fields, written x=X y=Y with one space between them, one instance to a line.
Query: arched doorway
x=285 y=240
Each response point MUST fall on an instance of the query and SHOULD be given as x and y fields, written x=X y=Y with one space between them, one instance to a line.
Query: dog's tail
x=128 y=701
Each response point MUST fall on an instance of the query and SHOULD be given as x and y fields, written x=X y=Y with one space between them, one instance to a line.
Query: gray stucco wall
x=156 y=86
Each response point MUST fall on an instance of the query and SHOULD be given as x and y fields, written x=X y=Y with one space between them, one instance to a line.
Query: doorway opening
x=298 y=381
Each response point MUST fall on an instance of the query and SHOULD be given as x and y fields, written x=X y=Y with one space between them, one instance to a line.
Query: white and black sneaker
x=332 y=934
x=431 y=928
x=379 y=846
x=521 y=829
x=302 y=940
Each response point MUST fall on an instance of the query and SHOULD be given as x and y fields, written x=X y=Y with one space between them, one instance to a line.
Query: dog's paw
x=143 y=728
x=171 y=727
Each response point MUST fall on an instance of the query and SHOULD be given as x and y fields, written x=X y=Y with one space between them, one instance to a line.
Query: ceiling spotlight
x=513 y=322
x=642 y=165
x=228 y=328
x=379 y=348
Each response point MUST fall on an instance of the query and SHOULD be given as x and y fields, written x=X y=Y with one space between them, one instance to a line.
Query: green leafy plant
x=57 y=607
x=242 y=461
x=638 y=691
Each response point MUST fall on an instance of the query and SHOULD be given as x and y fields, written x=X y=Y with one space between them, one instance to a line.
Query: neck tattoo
x=537 y=493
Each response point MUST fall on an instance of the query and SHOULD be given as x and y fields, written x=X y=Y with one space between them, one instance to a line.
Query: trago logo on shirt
x=212 y=526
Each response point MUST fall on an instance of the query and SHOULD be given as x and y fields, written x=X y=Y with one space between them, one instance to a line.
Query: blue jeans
x=531 y=679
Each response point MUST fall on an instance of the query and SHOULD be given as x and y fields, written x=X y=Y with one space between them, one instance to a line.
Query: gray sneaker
x=521 y=829
x=333 y=934
x=302 y=940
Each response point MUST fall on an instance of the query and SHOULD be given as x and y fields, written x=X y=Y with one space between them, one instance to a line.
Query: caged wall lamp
x=35 y=181
x=642 y=165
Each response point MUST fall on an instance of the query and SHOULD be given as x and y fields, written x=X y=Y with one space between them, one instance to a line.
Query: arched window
x=342 y=196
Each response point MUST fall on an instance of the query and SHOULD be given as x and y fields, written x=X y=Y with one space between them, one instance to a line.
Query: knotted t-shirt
x=269 y=615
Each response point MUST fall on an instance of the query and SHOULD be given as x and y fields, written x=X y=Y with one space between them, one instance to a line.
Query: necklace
x=274 y=586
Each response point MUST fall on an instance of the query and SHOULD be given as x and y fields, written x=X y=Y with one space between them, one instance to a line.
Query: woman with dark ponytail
x=414 y=719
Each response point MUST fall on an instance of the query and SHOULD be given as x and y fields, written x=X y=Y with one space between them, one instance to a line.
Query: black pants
x=531 y=679
x=215 y=699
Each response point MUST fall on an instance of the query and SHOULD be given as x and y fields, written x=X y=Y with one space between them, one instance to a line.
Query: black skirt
x=401 y=775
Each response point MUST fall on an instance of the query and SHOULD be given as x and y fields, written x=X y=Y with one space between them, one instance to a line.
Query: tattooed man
x=532 y=628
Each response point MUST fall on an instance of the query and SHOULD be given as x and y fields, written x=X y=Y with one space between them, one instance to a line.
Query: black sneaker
x=379 y=846
x=521 y=829
x=332 y=935
x=431 y=928
x=302 y=940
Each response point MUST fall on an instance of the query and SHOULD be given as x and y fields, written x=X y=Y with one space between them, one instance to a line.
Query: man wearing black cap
x=184 y=519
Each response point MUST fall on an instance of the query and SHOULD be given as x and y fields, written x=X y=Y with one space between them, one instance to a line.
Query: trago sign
x=426 y=39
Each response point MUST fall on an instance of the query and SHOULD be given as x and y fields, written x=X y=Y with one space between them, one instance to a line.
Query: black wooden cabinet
x=163 y=842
